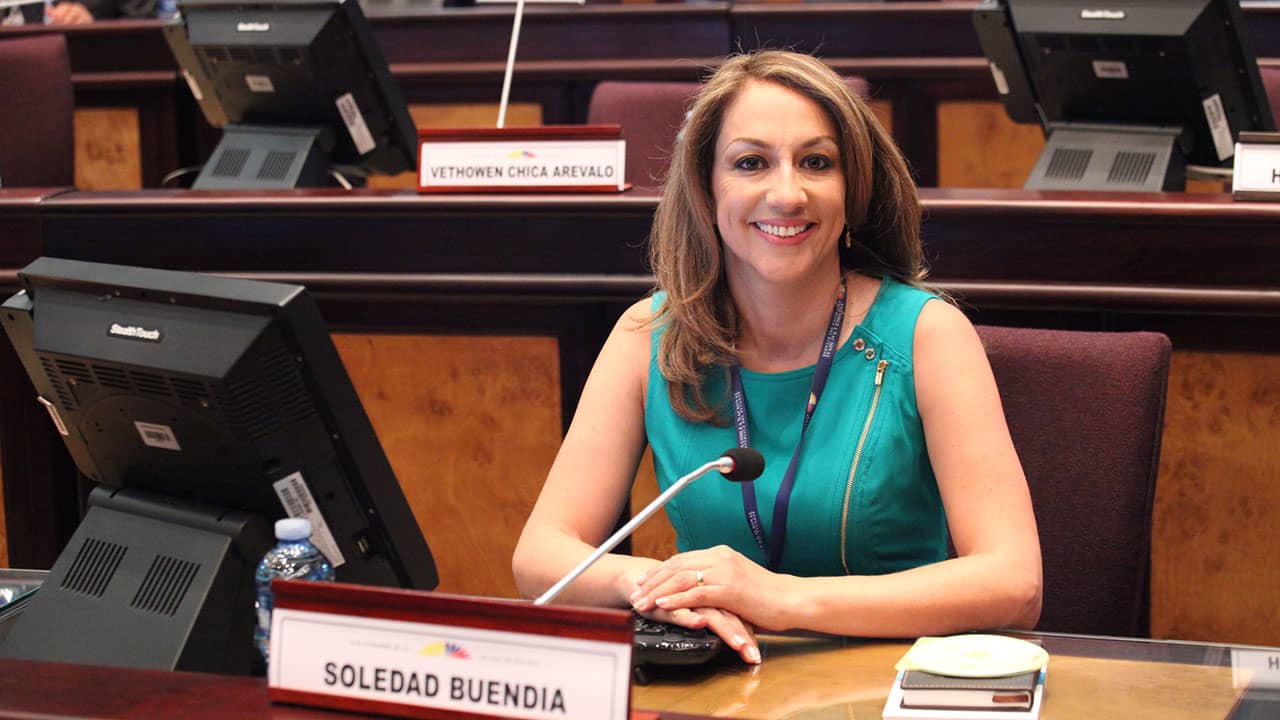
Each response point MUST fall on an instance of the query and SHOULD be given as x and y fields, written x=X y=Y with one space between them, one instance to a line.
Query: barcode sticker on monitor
x=360 y=134
x=297 y=500
x=259 y=83
x=1218 y=127
x=157 y=436
x=1110 y=70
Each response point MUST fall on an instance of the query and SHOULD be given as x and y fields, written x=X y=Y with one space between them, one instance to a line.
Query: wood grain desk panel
x=470 y=424
x=552 y=272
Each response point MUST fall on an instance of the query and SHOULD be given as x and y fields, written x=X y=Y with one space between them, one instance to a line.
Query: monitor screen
x=288 y=64
x=1182 y=67
x=191 y=399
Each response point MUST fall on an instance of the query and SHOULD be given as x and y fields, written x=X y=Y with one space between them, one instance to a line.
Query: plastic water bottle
x=293 y=558
x=166 y=9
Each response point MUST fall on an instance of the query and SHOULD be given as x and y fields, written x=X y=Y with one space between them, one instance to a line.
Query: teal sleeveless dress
x=865 y=501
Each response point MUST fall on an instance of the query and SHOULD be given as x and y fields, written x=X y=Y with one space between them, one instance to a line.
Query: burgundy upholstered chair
x=1086 y=412
x=1271 y=82
x=650 y=114
x=36 y=133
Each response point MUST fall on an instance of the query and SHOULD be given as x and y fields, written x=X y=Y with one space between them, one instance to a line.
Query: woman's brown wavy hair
x=882 y=211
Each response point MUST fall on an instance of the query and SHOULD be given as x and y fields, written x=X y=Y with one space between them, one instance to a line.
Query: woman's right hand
x=733 y=630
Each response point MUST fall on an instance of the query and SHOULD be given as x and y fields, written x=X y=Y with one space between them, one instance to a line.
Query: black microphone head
x=748 y=463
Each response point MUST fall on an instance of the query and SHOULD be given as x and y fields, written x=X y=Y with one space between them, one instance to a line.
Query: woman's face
x=778 y=187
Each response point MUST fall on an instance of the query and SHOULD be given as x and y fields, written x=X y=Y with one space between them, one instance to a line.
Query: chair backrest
x=36 y=123
x=1271 y=83
x=651 y=114
x=1086 y=412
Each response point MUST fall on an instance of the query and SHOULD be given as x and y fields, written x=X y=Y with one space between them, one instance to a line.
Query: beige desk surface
x=1088 y=679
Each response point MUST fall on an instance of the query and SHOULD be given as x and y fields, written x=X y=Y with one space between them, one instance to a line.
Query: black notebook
x=927 y=690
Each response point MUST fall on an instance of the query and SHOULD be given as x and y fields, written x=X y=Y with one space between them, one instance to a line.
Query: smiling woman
x=790 y=316
x=779 y=190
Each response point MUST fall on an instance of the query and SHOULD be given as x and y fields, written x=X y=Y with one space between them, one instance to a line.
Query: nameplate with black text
x=586 y=158
x=424 y=654
x=1256 y=172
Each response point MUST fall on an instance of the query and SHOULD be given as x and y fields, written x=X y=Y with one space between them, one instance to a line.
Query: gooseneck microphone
x=736 y=464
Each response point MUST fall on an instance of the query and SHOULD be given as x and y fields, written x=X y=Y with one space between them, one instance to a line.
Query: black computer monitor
x=1128 y=91
x=205 y=408
x=298 y=86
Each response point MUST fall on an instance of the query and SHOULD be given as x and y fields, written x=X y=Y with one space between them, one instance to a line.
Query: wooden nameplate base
x=412 y=653
x=549 y=158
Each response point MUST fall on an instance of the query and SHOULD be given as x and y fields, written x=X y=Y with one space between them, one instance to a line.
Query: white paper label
x=356 y=127
x=515 y=163
x=1258 y=669
x=157 y=436
x=259 y=83
x=53 y=414
x=1257 y=168
x=490 y=672
x=193 y=85
x=1002 y=85
x=1218 y=128
x=1110 y=70
x=297 y=500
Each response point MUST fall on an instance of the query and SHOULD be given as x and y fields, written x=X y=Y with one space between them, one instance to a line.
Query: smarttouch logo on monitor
x=1102 y=14
x=253 y=27
x=135 y=332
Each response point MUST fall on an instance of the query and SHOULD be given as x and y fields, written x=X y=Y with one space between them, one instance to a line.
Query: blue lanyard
x=773 y=550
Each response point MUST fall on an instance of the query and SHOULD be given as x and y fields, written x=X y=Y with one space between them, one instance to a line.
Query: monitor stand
x=1106 y=157
x=267 y=157
x=148 y=582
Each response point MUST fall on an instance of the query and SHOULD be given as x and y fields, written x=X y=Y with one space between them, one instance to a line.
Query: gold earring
x=848 y=237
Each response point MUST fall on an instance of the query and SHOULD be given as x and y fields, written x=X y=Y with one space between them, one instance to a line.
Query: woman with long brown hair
x=791 y=316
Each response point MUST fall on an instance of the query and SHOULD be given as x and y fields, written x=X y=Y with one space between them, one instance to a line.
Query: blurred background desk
x=800 y=677
x=469 y=323
x=136 y=121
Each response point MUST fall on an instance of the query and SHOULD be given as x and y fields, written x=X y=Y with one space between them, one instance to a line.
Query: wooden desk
x=1088 y=678
x=801 y=677
x=440 y=304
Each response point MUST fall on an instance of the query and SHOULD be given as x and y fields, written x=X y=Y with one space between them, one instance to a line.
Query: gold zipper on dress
x=853 y=469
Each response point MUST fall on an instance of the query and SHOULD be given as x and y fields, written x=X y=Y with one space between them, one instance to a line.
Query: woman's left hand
x=718 y=577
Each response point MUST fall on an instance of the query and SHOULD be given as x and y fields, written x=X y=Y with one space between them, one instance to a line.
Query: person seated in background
x=78 y=12
x=790 y=315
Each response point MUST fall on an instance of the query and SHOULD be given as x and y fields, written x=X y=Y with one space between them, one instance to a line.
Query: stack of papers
x=969 y=677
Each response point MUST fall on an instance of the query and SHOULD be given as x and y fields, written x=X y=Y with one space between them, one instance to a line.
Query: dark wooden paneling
x=42 y=689
x=845 y=29
x=592 y=32
x=20 y=225
x=1196 y=267
x=914 y=53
